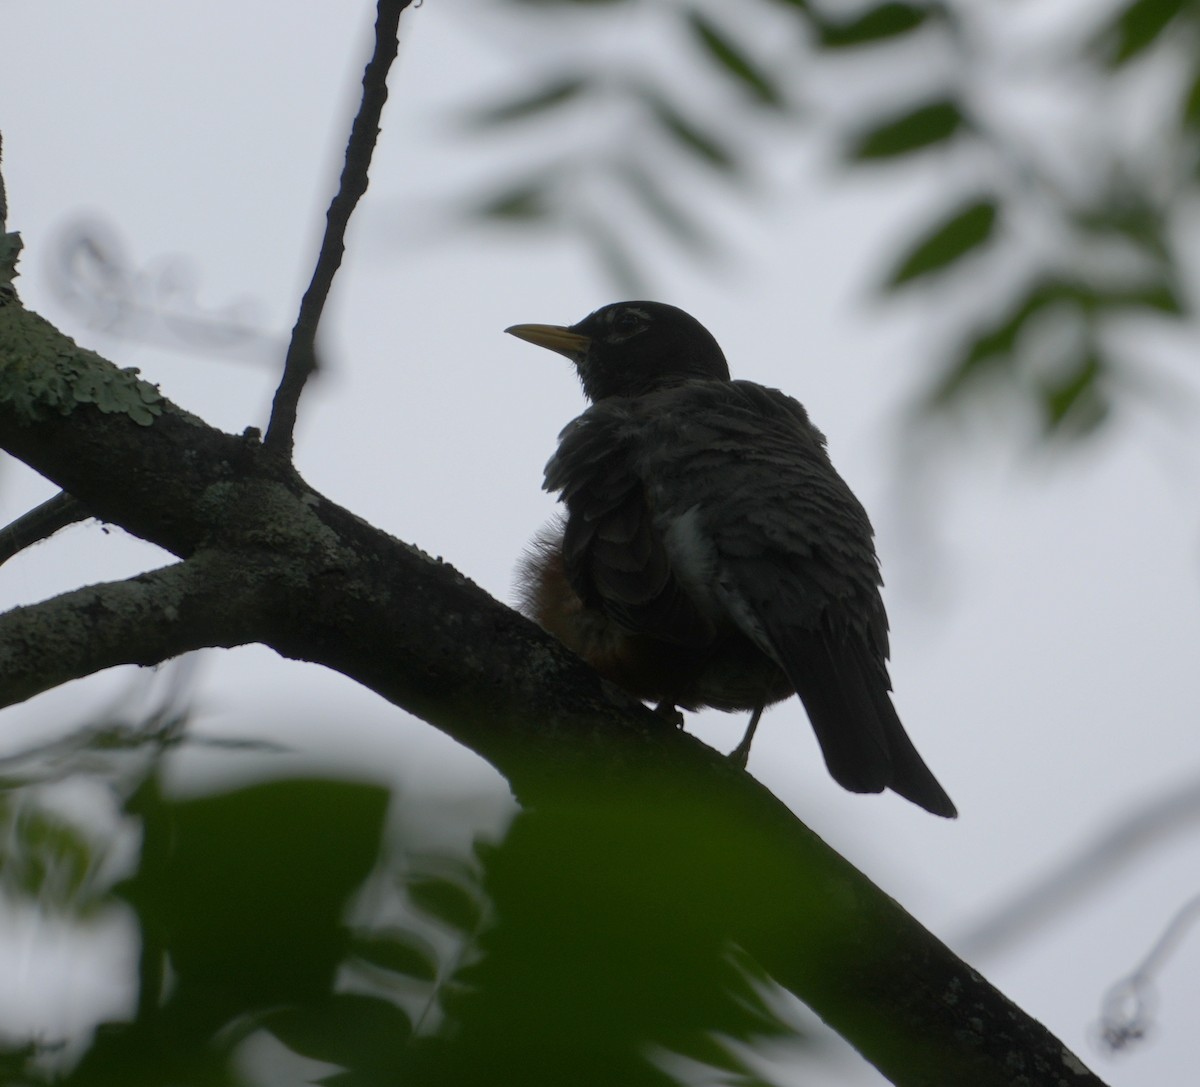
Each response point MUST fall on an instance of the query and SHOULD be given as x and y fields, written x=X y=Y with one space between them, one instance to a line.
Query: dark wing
x=790 y=559
x=614 y=555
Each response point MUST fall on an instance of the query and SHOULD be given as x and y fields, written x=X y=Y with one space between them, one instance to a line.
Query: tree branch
x=318 y=584
x=302 y=351
x=10 y=244
x=40 y=523
x=3 y=191
x=212 y=599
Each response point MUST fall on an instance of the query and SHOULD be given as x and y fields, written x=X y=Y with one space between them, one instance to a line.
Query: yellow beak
x=554 y=337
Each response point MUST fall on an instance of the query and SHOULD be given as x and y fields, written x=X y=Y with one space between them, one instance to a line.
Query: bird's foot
x=740 y=755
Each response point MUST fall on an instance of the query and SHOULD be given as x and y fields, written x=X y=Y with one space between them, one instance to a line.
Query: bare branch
x=40 y=523
x=302 y=351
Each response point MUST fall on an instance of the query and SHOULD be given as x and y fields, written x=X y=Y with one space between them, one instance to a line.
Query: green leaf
x=251 y=885
x=446 y=901
x=549 y=96
x=1130 y=216
x=1076 y=403
x=663 y=208
x=935 y=122
x=967 y=228
x=715 y=1054
x=526 y=200
x=1136 y=28
x=734 y=61
x=1190 y=113
x=876 y=24
x=349 y=1029
x=992 y=348
x=48 y=860
x=611 y=940
x=616 y=260
x=689 y=136
x=1161 y=296
x=400 y=951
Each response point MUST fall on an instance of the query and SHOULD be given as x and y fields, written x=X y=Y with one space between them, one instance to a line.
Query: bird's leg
x=667 y=711
x=741 y=754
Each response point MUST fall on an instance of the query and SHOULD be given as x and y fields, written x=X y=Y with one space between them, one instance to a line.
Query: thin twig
x=1069 y=882
x=1126 y=1011
x=40 y=523
x=302 y=352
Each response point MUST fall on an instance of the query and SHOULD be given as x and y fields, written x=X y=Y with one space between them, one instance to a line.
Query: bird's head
x=631 y=348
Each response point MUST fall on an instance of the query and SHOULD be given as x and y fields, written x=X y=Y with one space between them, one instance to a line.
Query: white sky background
x=1045 y=609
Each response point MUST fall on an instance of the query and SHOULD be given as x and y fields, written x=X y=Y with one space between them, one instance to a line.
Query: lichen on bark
x=44 y=373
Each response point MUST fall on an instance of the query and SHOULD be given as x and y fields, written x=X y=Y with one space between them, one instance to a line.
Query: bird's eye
x=626 y=321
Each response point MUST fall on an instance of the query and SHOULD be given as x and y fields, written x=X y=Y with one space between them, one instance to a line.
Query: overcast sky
x=1045 y=607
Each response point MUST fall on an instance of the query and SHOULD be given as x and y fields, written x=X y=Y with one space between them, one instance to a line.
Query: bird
x=709 y=554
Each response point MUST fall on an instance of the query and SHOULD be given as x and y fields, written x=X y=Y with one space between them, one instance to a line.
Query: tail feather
x=865 y=746
x=911 y=778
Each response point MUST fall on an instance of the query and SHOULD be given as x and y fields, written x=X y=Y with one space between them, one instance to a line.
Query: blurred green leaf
x=446 y=901
x=240 y=897
x=1075 y=404
x=664 y=209
x=715 y=1053
x=748 y=987
x=1073 y=401
x=350 y=1029
x=879 y=23
x=397 y=950
x=993 y=348
x=237 y=883
x=47 y=859
x=17 y=1063
x=1136 y=27
x=525 y=201
x=353 y=1077
x=555 y=92
x=612 y=940
x=733 y=60
x=935 y=122
x=605 y=941
x=965 y=229
x=1190 y=113
x=622 y=270
x=689 y=136
x=1161 y=297
x=1125 y=212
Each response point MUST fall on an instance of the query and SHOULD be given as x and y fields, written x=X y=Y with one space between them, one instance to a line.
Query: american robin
x=710 y=554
